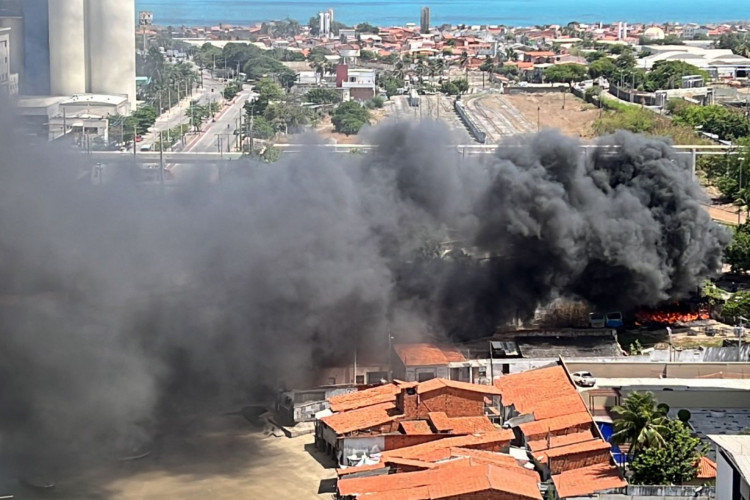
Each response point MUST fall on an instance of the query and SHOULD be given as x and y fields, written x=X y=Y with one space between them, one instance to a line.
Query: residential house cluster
x=526 y=436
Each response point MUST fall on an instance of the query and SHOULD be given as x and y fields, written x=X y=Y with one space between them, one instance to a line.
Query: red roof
x=368 y=397
x=441 y=483
x=359 y=468
x=588 y=480
x=415 y=427
x=361 y=419
x=706 y=469
x=427 y=354
x=583 y=447
x=421 y=451
x=532 y=388
x=540 y=443
x=540 y=427
x=461 y=425
x=439 y=383
x=564 y=405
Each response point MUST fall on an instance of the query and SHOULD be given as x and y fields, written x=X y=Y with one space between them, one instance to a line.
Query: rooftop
x=585 y=481
x=415 y=427
x=427 y=354
x=439 y=383
x=461 y=425
x=360 y=419
x=368 y=397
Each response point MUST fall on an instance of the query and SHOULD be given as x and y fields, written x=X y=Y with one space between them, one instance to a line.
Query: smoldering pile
x=129 y=301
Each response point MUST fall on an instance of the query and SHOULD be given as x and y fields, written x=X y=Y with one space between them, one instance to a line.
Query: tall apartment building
x=424 y=20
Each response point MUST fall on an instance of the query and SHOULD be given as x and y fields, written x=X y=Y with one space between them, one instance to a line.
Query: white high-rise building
x=92 y=47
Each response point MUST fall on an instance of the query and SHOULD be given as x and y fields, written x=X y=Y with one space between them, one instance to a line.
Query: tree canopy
x=668 y=74
x=349 y=117
x=676 y=462
x=565 y=73
x=640 y=422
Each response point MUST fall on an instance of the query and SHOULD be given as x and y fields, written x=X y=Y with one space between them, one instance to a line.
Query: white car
x=584 y=379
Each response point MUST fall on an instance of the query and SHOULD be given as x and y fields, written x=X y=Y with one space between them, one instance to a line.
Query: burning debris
x=676 y=314
x=133 y=308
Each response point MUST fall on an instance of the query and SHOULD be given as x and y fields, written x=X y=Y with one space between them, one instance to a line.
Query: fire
x=670 y=317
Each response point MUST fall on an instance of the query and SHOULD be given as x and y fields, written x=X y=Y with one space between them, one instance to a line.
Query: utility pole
x=161 y=159
x=538 y=118
x=740 y=332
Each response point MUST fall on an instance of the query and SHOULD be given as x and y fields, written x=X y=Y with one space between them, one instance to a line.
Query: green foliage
x=602 y=67
x=631 y=118
x=639 y=422
x=375 y=102
x=663 y=408
x=270 y=154
x=390 y=83
x=565 y=73
x=668 y=75
x=286 y=117
x=737 y=305
x=667 y=40
x=268 y=92
x=595 y=55
x=367 y=28
x=684 y=415
x=711 y=293
x=730 y=173
x=675 y=462
x=367 y=55
x=144 y=118
x=323 y=96
x=739 y=43
x=738 y=256
x=462 y=84
x=231 y=90
x=636 y=348
x=714 y=119
x=262 y=129
x=349 y=117
x=450 y=88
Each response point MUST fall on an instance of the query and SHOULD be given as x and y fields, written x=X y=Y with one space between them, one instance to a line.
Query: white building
x=718 y=62
x=732 y=467
x=92 y=47
x=8 y=80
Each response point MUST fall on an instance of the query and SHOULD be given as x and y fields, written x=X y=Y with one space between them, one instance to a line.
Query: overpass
x=691 y=152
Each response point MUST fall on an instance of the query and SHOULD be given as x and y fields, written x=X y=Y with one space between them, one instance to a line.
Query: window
x=360 y=379
x=421 y=377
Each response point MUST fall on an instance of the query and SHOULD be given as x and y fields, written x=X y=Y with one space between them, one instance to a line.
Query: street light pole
x=538 y=118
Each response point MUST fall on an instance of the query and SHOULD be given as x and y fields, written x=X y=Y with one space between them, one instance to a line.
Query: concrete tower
x=111 y=47
x=67 y=46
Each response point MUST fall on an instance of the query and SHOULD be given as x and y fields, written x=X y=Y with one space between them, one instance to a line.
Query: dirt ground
x=576 y=119
x=219 y=457
x=324 y=128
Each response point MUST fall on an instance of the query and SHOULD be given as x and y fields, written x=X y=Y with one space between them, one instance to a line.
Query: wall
x=578 y=460
x=724 y=478
x=454 y=402
x=411 y=373
x=361 y=93
x=36 y=48
x=700 y=399
x=486 y=495
x=626 y=369
x=474 y=129
x=359 y=446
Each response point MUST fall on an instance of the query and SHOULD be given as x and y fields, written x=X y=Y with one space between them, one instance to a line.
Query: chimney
x=342 y=74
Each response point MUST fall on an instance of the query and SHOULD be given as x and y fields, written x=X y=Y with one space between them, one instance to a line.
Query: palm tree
x=463 y=61
x=639 y=422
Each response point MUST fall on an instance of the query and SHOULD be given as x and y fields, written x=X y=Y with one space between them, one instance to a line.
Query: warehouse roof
x=424 y=354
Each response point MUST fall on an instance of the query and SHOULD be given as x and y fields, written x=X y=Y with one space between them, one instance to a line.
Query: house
x=732 y=466
x=357 y=84
x=423 y=361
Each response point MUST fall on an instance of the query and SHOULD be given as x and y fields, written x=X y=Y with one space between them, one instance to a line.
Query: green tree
x=323 y=96
x=668 y=74
x=367 y=28
x=675 y=462
x=715 y=119
x=739 y=43
x=737 y=255
x=639 y=422
x=349 y=117
x=450 y=88
x=603 y=67
x=566 y=73
x=261 y=129
x=268 y=92
x=737 y=305
x=231 y=90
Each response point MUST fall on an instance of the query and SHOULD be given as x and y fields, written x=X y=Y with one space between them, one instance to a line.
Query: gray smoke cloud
x=119 y=306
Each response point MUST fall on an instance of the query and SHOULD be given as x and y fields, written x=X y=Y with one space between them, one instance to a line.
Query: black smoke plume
x=118 y=305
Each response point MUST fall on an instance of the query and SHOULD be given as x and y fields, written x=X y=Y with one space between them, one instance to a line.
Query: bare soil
x=575 y=120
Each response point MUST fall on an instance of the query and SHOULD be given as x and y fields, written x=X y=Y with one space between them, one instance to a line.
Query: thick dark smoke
x=118 y=304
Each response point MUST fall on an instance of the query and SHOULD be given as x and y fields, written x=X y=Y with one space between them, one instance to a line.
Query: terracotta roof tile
x=706 y=469
x=540 y=427
x=517 y=482
x=540 y=443
x=588 y=480
x=461 y=425
x=439 y=383
x=368 y=397
x=564 y=405
x=531 y=388
x=415 y=427
x=419 y=493
x=360 y=419
x=427 y=354
x=411 y=462
x=583 y=447
x=443 y=446
x=360 y=468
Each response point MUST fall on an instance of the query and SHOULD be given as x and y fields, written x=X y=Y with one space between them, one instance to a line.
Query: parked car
x=597 y=320
x=584 y=379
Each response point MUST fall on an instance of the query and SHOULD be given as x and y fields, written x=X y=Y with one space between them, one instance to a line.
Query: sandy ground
x=217 y=457
x=726 y=214
x=576 y=119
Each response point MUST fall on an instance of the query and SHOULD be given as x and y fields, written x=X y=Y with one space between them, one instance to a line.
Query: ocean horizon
x=471 y=12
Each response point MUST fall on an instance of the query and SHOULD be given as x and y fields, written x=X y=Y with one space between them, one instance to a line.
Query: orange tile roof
x=441 y=483
x=539 y=427
x=585 y=446
x=415 y=427
x=461 y=425
x=564 y=405
x=411 y=462
x=444 y=445
x=706 y=469
x=527 y=389
x=367 y=397
x=427 y=354
x=360 y=419
x=439 y=383
x=359 y=468
x=588 y=480
x=540 y=443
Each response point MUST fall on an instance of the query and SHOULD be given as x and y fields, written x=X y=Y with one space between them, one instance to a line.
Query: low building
x=732 y=466
x=357 y=84
x=419 y=362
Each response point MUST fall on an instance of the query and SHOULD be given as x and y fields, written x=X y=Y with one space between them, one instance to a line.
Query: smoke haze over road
x=116 y=303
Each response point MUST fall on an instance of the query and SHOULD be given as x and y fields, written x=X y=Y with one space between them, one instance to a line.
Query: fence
x=477 y=132
x=637 y=490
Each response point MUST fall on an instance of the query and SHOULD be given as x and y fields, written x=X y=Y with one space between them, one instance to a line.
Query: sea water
x=470 y=12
